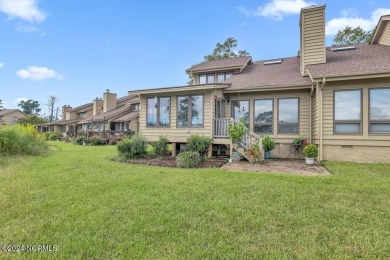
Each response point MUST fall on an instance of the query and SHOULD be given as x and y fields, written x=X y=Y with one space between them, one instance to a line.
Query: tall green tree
x=225 y=50
x=1 y=103
x=350 y=36
x=30 y=107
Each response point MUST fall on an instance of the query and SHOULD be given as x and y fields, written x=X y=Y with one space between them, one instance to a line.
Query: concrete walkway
x=278 y=166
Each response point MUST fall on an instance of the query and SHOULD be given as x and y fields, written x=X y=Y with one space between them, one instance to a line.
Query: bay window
x=263 y=116
x=379 y=111
x=288 y=115
x=190 y=111
x=347 y=111
x=158 y=111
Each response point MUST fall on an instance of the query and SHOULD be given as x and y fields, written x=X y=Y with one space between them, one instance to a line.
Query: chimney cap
x=108 y=90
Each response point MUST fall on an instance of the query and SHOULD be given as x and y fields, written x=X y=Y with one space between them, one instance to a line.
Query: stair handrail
x=249 y=138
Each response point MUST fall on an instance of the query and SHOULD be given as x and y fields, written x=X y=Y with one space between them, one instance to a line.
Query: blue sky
x=76 y=50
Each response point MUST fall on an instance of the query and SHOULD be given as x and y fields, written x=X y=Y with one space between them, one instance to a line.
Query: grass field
x=91 y=207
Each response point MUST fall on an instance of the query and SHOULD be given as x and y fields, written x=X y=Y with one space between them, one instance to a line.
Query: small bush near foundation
x=22 y=140
x=134 y=147
x=80 y=140
x=54 y=137
x=161 y=146
x=188 y=159
x=97 y=140
x=115 y=140
x=310 y=151
x=199 y=144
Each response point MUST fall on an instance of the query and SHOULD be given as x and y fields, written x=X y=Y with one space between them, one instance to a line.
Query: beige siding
x=363 y=147
x=284 y=141
x=8 y=118
x=173 y=133
x=385 y=37
x=316 y=115
x=312 y=37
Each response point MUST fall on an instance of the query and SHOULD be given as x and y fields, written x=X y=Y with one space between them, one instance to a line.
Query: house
x=335 y=97
x=106 y=117
x=11 y=116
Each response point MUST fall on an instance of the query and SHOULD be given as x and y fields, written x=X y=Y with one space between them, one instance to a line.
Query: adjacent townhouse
x=105 y=117
x=335 y=97
x=11 y=116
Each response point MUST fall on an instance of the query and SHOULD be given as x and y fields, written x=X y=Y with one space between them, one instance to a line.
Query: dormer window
x=207 y=78
x=135 y=106
x=222 y=77
x=83 y=115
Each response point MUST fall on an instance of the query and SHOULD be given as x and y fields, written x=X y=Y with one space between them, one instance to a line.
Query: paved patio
x=287 y=166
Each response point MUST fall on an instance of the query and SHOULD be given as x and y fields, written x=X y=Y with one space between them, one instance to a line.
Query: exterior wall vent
x=273 y=62
x=343 y=48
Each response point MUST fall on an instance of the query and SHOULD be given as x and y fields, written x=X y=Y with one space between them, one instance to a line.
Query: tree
x=1 y=103
x=350 y=36
x=51 y=101
x=225 y=50
x=30 y=107
x=32 y=120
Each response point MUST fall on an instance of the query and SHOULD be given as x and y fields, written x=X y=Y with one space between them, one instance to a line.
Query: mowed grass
x=91 y=207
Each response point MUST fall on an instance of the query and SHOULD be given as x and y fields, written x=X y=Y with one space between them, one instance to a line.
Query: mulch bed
x=170 y=161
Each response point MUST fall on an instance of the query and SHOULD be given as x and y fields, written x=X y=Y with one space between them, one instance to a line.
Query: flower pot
x=267 y=155
x=309 y=161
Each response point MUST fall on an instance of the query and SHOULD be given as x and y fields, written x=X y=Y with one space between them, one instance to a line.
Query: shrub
x=268 y=143
x=133 y=147
x=114 y=140
x=97 y=140
x=161 y=146
x=80 y=140
x=22 y=140
x=199 y=144
x=236 y=131
x=188 y=159
x=310 y=151
x=54 y=137
x=46 y=135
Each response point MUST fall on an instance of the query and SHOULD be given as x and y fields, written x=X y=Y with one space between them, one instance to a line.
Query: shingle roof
x=107 y=115
x=220 y=64
x=365 y=59
x=277 y=75
x=5 y=111
x=127 y=117
x=82 y=108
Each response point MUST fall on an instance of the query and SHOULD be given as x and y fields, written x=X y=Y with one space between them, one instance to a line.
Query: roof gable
x=218 y=65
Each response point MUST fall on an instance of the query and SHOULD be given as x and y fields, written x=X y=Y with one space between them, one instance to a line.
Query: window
x=135 y=106
x=202 y=79
x=222 y=77
x=15 y=119
x=207 y=79
x=240 y=109
x=210 y=78
x=379 y=111
x=288 y=115
x=263 y=121
x=158 y=111
x=190 y=115
x=347 y=112
x=83 y=115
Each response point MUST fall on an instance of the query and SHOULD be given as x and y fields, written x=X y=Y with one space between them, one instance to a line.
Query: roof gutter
x=266 y=88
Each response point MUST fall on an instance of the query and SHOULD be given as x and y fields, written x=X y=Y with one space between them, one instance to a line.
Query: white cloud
x=2 y=65
x=23 y=9
x=29 y=29
x=277 y=9
x=349 y=18
x=38 y=73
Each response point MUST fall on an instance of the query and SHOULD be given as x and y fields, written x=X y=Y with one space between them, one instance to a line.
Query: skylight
x=273 y=62
x=343 y=48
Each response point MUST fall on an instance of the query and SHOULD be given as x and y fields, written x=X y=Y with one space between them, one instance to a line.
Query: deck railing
x=221 y=127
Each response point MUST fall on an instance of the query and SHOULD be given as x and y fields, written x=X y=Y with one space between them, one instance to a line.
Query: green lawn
x=91 y=207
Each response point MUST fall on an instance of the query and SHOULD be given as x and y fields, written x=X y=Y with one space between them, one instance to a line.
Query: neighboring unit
x=11 y=116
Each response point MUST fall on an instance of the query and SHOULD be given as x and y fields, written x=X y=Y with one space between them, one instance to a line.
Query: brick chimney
x=109 y=101
x=312 y=30
x=66 y=112
x=97 y=106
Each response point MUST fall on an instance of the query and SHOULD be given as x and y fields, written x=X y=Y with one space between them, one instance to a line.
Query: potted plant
x=297 y=141
x=236 y=131
x=310 y=151
x=268 y=146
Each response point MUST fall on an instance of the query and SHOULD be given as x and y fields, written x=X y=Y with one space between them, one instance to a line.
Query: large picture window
x=240 y=110
x=263 y=116
x=288 y=116
x=380 y=111
x=347 y=111
x=190 y=111
x=158 y=111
